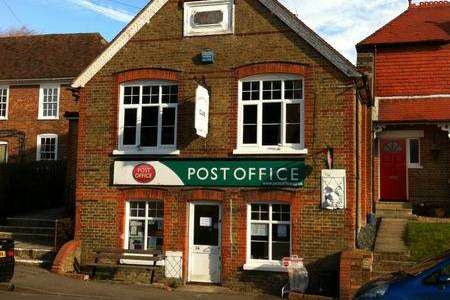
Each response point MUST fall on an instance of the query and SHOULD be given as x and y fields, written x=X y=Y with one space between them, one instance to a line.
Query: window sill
x=269 y=151
x=135 y=262
x=147 y=152
x=265 y=267
x=48 y=119
x=415 y=166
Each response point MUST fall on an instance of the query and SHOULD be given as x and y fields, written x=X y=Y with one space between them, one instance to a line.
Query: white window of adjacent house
x=268 y=234
x=4 y=95
x=208 y=17
x=413 y=154
x=47 y=147
x=49 y=102
x=271 y=115
x=148 y=117
x=144 y=225
x=3 y=152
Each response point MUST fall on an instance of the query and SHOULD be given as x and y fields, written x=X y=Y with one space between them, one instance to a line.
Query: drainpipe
x=357 y=187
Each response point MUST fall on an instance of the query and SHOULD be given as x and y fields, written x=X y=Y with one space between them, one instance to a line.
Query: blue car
x=429 y=280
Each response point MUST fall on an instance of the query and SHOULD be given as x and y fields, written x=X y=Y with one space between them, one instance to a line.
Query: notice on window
x=282 y=231
x=259 y=230
x=205 y=222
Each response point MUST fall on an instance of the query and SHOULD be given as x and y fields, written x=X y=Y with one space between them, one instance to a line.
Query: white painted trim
x=3 y=87
x=41 y=101
x=38 y=144
x=144 y=151
x=265 y=267
x=414 y=97
x=274 y=6
x=227 y=25
x=6 y=153
x=269 y=151
x=38 y=81
x=191 y=212
x=401 y=134
x=258 y=148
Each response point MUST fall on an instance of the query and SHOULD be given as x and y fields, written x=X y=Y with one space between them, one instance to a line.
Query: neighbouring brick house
x=35 y=76
x=228 y=189
x=408 y=61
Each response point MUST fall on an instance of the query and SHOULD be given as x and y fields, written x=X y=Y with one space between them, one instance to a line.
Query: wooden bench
x=116 y=259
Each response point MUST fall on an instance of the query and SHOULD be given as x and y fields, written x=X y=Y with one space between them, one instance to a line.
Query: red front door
x=393 y=170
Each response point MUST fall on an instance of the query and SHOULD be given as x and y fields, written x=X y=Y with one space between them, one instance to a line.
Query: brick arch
x=147 y=74
x=270 y=67
x=269 y=196
x=204 y=195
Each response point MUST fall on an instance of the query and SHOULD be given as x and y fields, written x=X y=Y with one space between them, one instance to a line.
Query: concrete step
x=392 y=256
x=395 y=214
x=34 y=254
x=39 y=240
x=390 y=266
x=27 y=229
x=393 y=205
x=28 y=222
x=35 y=262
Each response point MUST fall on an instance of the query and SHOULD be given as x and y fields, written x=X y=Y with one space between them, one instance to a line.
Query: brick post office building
x=35 y=74
x=408 y=61
x=207 y=131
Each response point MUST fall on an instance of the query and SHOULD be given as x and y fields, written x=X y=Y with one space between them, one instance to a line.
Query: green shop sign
x=209 y=173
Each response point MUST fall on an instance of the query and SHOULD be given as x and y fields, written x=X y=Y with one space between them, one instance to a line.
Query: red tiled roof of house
x=421 y=22
x=401 y=110
x=48 y=56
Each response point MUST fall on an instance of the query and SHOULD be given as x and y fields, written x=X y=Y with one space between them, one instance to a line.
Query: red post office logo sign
x=144 y=173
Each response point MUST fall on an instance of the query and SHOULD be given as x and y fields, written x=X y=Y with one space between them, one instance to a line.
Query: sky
x=342 y=23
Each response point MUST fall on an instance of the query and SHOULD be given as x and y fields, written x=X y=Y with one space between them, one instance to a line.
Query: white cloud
x=344 y=23
x=113 y=13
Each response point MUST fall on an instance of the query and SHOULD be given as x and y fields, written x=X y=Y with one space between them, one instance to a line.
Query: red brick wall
x=355 y=270
x=23 y=117
x=159 y=50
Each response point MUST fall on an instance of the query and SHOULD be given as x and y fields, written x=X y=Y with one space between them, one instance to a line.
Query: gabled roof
x=422 y=22
x=48 y=56
x=274 y=6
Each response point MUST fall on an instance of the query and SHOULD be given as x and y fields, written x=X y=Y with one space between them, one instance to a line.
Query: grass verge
x=427 y=239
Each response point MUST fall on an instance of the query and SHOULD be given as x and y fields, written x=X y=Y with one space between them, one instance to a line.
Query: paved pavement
x=39 y=284
x=390 y=236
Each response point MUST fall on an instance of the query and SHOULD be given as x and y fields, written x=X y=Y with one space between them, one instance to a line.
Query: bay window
x=271 y=115
x=144 y=225
x=148 y=116
x=268 y=234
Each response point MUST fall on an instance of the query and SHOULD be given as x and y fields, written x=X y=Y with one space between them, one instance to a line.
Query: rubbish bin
x=7 y=262
x=298 y=275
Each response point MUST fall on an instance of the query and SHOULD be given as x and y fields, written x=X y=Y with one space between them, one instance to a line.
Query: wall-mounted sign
x=333 y=189
x=229 y=173
x=201 y=111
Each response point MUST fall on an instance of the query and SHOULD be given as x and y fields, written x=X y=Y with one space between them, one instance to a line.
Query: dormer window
x=208 y=17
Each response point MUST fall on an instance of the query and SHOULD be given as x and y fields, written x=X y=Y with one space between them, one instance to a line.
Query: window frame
x=411 y=165
x=6 y=150
x=266 y=264
x=258 y=148
x=43 y=87
x=146 y=218
x=38 y=146
x=5 y=87
x=137 y=149
x=225 y=27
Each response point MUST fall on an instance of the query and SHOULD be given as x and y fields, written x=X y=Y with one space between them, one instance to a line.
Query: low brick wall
x=355 y=270
x=64 y=261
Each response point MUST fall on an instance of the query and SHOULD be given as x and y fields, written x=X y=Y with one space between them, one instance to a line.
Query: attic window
x=213 y=17
x=208 y=17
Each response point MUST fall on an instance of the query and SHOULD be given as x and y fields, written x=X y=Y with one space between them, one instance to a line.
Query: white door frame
x=191 y=234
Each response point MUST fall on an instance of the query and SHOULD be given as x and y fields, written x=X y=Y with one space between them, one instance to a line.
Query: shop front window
x=145 y=225
x=269 y=232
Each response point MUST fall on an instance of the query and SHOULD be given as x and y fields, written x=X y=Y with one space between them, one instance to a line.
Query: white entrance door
x=204 y=243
